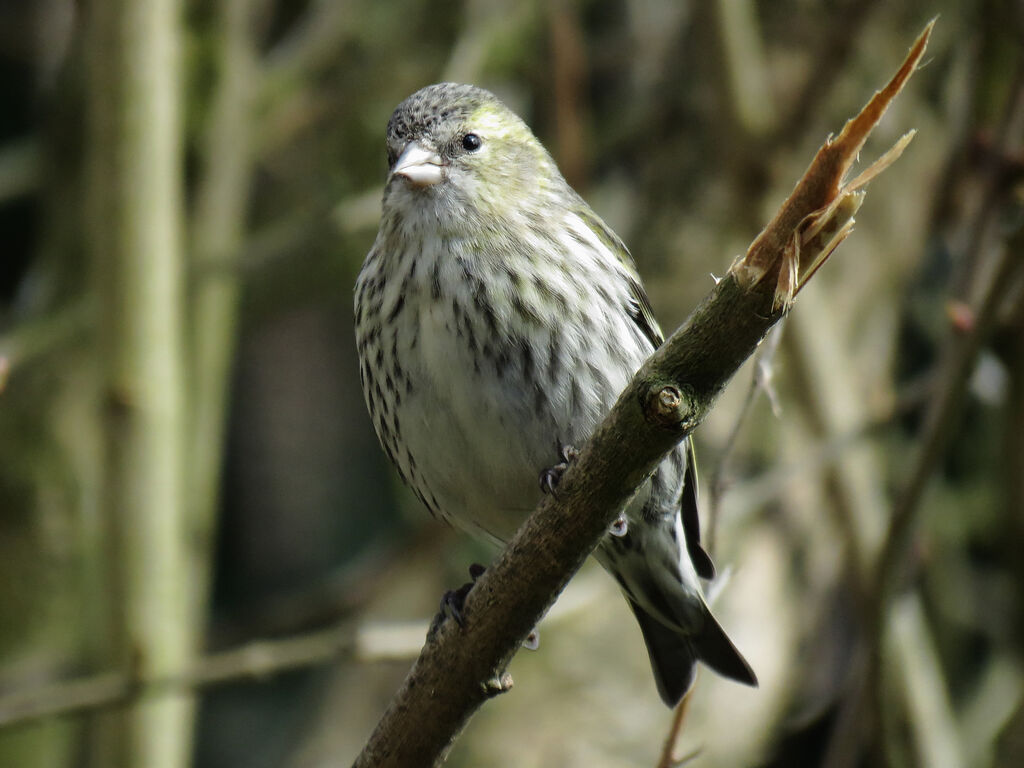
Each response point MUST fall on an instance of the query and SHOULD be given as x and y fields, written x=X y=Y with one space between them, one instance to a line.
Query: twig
x=760 y=381
x=665 y=401
x=668 y=750
x=257 y=660
x=686 y=759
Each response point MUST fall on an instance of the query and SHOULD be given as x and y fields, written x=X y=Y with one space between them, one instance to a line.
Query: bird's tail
x=674 y=655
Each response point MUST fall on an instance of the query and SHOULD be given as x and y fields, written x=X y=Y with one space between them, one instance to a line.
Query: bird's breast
x=509 y=359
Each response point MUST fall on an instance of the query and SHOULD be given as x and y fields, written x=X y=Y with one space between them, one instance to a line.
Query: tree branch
x=665 y=401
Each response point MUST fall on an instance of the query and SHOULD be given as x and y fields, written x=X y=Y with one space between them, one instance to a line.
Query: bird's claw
x=552 y=476
x=453 y=601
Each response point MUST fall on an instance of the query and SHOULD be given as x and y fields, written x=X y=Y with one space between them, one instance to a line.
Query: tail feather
x=673 y=660
x=716 y=650
x=674 y=655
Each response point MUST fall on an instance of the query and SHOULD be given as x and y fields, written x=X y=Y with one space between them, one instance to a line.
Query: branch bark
x=665 y=401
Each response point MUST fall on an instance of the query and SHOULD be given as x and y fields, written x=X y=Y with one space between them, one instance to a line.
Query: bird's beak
x=419 y=165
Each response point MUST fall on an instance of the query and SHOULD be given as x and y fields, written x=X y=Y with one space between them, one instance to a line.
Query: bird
x=497 y=319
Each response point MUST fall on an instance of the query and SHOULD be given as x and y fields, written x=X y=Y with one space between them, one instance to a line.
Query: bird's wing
x=691 y=516
x=640 y=306
x=642 y=314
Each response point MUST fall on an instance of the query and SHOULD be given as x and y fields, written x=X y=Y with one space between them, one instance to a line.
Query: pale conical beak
x=419 y=165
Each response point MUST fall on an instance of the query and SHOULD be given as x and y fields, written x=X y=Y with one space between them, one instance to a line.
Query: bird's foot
x=453 y=601
x=552 y=476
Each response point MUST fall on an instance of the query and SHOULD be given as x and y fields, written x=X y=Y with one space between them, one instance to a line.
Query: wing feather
x=643 y=315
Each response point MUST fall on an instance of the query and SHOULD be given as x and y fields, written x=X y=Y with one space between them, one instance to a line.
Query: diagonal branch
x=666 y=400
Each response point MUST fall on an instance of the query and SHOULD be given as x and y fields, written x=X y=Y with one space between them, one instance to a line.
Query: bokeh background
x=187 y=190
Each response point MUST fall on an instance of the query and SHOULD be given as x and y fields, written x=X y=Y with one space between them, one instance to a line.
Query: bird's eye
x=471 y=142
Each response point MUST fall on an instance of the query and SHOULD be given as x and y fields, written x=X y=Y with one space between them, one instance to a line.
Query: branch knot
x=664 y=406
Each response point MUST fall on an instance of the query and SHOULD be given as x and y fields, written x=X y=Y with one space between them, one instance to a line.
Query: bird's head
x=457 y=151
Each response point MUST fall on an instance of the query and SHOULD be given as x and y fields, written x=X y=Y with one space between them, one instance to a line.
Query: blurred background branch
x=135 y=193
x=258 y=660
x=218 y=229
